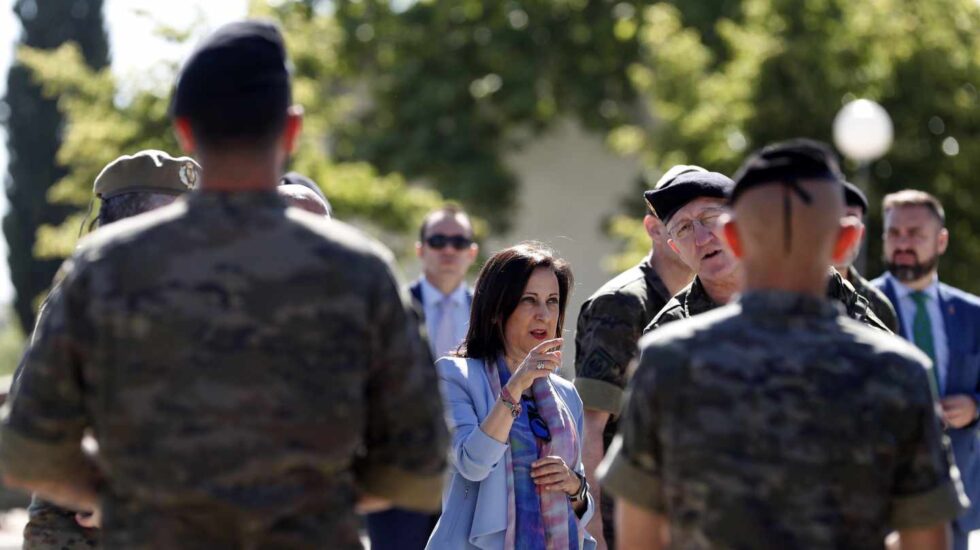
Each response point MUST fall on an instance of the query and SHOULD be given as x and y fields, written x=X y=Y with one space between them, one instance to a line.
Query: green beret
x=148 y=171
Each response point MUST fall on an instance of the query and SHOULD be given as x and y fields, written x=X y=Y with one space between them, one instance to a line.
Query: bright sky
x=134 y=50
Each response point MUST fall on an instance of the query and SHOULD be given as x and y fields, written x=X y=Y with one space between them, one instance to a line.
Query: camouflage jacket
x=741 y=430
x=246 y=370
x=877 y=300
x=694 y=300
x=610 y=323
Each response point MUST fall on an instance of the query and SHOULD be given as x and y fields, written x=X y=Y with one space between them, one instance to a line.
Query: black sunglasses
x=440 y=241
x=538 y=426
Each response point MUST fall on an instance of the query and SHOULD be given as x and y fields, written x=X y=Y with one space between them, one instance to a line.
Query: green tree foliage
x=454 y=85
x=33 y=136
x=100 y=127
x=785 y=67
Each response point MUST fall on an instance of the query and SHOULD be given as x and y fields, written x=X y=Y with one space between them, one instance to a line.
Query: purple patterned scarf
x=564 y=443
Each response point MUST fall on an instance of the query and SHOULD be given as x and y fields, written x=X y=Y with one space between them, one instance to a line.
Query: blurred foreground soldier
x=128 y=186
x=776 y=421
x=942 y=321
x=302 y=192
x=691 y=207
x=856 y=207
x=446 y=249
x=609 y=325
x=248 y=371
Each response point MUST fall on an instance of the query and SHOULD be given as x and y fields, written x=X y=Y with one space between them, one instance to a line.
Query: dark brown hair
x=914 y=197
x=450 y=209
x=499 y=288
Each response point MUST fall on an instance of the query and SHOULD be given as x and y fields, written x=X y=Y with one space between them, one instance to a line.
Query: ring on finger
x=541 y=365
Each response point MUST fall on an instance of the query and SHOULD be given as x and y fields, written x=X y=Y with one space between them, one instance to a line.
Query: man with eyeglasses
x=692 y=206
x=609 y=325
x=447 y=250
x=774 y=421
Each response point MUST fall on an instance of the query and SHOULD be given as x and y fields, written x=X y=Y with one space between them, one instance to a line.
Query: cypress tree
x=34 y=127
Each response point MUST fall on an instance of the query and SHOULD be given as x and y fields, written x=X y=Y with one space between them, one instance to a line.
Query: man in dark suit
x=942 y=321
x=447 y=250
x=441 y=296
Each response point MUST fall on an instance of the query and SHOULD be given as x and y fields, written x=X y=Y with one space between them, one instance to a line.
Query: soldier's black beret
x=240 y=63
x=676 y=193
x=787 y=163
x=853 y=196
x=295 y=178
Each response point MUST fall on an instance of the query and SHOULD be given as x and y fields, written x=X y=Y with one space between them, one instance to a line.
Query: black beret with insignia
x=684 y=188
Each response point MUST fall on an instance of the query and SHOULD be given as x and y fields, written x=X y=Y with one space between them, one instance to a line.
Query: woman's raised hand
x=542 y=360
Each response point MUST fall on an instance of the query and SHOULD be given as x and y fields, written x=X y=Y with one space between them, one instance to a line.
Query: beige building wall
x=569 y=185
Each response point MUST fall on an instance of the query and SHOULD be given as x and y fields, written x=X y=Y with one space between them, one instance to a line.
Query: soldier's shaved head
x=815 y=228
x=787 y=227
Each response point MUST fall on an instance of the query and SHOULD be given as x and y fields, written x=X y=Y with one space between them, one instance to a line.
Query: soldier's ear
x=294 y=124
x=731 y=237
x=185 y=137
x=849 y=233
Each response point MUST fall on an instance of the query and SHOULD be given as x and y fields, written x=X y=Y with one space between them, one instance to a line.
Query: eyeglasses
x=685 y=229
x=538 y=426
x=439 y=242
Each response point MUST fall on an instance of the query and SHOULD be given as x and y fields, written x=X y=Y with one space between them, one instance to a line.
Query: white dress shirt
x=431 y=297
x=907 y=306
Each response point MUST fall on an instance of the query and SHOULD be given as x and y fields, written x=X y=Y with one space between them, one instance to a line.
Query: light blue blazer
x=474 y=501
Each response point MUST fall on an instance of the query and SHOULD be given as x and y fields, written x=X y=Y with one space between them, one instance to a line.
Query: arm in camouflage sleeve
x=406 y=434
x=605 y=344
x=44 y=420
x=631 y=469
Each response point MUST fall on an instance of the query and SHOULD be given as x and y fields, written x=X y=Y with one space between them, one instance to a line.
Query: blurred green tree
x=451 y=86
x=34 y=125
x=785 y=67
x=100 y=126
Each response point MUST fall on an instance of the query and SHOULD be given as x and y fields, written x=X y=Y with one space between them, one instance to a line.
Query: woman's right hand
x=539 y=363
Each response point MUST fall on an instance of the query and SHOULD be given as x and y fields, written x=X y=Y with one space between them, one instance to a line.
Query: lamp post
x=863 y=132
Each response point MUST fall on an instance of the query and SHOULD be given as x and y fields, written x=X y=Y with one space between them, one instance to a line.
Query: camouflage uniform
x=246 y=370
x=54 y=528
x=610 y=323
x=694 y=300
x=877 y=300
x=51 y=527
x=741 y=432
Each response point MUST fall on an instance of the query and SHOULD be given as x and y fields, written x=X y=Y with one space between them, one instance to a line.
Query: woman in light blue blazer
x=517 y=476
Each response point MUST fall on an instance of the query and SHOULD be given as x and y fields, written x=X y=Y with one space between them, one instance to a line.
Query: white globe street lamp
x=863 y=131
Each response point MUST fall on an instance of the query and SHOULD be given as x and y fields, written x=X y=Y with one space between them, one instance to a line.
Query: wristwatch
x=583 y=489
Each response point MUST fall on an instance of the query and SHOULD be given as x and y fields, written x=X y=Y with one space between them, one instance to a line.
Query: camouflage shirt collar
x=697 y=300
x=654 y=281
x=237 y=199
x=779 y=302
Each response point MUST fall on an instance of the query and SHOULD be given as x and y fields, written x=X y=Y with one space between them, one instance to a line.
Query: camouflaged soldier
x=856 y=206
x=249 y=371
x=694 y=300
x=691 y=206
x=129 y=185
x=778 y=422
x=610 y=323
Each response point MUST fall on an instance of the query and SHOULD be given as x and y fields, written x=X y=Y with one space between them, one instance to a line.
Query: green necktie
x=922 y=330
